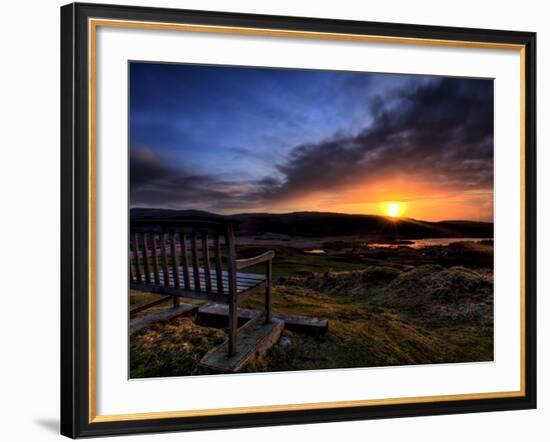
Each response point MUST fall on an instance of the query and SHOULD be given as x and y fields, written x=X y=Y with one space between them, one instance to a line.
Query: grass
x=289 y=261
x=378 y=316
x=171 y=349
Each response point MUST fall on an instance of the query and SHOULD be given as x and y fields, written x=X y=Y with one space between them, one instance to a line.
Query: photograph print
x=292 y=219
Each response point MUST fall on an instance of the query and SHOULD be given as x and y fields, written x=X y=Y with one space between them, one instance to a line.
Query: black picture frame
x=75 y=221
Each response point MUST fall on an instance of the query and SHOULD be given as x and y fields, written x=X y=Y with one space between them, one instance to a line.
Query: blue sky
x=249 y=139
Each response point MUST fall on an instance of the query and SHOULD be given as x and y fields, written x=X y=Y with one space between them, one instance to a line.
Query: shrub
x=352 y=283
x=456 y=293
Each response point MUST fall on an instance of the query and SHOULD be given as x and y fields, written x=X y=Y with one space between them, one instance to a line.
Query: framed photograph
x=279 y=220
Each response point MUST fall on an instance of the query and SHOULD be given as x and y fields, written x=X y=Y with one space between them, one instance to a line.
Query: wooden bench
x=195 y=258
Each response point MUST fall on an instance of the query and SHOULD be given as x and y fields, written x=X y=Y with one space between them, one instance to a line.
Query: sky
x=238 y=139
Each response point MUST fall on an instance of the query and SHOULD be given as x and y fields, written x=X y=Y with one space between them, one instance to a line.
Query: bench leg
x=233 y=325
x=268 y=274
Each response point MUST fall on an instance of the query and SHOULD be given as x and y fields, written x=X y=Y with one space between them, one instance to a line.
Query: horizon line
x=314 y=212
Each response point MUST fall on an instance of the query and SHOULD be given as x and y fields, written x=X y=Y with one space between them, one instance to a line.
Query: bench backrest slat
x=164 y=259
x=175 y=260
x=195 y=261
x=135 y=254
x=185 y=260
x=218 y=263
x=155 y=258
x=145 y=257
x=206 y=260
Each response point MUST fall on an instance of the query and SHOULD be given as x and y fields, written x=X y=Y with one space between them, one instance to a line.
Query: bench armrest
x=242 y=263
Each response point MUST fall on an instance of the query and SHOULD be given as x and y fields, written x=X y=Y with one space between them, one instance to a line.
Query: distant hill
x=321 y=224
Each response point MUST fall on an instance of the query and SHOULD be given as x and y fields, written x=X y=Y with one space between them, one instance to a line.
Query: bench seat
x=246 y=282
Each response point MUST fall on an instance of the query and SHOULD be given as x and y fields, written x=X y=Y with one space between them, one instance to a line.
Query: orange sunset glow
x=400 y=197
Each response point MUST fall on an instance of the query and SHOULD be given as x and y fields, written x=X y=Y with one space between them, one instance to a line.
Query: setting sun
x=393 y=209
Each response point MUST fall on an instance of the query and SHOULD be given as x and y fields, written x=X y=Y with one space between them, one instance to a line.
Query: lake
x=426 y=242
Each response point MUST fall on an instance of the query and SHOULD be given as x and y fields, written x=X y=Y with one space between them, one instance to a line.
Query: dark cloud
x=441 y=129
x=156 y=183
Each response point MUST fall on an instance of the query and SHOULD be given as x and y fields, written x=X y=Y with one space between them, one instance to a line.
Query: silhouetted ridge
x=320 y=224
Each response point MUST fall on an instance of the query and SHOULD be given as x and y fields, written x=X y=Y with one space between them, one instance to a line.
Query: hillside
x=322 y=224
